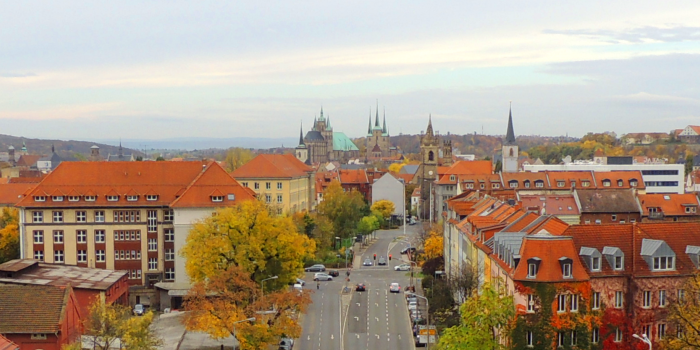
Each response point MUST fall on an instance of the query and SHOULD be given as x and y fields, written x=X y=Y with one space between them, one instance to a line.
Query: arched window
x=431 y=156
x=511 y=152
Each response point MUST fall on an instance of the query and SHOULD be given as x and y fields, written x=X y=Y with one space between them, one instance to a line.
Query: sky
x=178 y=69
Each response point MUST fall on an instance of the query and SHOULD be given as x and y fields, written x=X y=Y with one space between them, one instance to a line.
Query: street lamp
x=262 y=283
x=643 y=338
x=427 y=305
x=252 y=319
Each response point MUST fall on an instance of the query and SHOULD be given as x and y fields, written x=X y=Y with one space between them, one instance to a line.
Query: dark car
x=382 y=261
x=360 y=287
x=315 y=268
x=333 y=273
x=407 y=249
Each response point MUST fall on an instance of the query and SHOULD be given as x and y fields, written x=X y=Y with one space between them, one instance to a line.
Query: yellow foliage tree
x=685 y=313
x=384 y=207
x=396 y=167
x=343 y=209
x=9 y=235
x=106 y=324
x=434 y=242
x=235 y=157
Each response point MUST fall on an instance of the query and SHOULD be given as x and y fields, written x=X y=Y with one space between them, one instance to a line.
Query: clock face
x=430 y=172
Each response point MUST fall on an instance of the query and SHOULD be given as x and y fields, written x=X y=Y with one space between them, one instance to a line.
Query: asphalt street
x=374 y=319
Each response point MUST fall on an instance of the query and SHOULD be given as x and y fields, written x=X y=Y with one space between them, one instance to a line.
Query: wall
x=184 y=218
x=389 y=188
x=25 y=342
x=606 y=218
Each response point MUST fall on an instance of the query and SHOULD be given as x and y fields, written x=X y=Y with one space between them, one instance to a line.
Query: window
x=256 y=185
x=618 y=263
x=268 y=186
x=530 y=303
x=40 y=198
x=633 y=183
x=268 y=198
x=661 y=330
x=681 y=294
x=169 y=254
x=100 y=256
x=168 y=215
x=622 y=221
x=606 y=183
x=153 y=263
x=585 y=183
x=619 y=299
x=99 y=216
x=169 y=235
x=58 y=256
x=217 y=198
x=598 y=222
x=595 y=335
x=431 y=156
x=279 y=211
x=82 y=256
x=646 y=302
x=57 y=198
x=663 y=263
x=495 y=185
x=170 y=273
x=567 y=270
x=38 y=336
x=58 y=237
x=618 y=335
x=38 y=216
x=646 y=330
x=539 y=183
x=513 y=184
x=531 y=270
x=38 y=237
x=528 y=338
x=80 y=216
x=574 y=302
x=39 y=255
x=279 y=198
x=689 y=209
x=662 y=298
x=561 y=183
x=574 y=337
x=595 y=263
x=58 y=216
x=527 y=183
x=153 y=221
x=99 y=236
x=453 y=178
x=595 y=301
x=151 y=197
x=587 y=222
x=81 y=236
x=152 y=245
x=90 y=198
x=614 y=217
x=127 y=216
x=112 y=198
x=561 y=303
x=244 y=184
x=619 y=183
x=560 y=339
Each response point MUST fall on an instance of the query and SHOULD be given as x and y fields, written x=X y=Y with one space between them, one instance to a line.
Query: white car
x=322 y=277
x=413 y=306
x=394 y=288
x=402 y=267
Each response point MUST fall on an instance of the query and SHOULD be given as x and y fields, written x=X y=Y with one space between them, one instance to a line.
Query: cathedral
x=321 y=144
x=378 y=143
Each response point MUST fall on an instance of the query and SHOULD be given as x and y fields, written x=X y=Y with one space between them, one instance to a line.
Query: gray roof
x=607 y=201
x=409 y=169
x=314 y=135
x=611 y=250
x=587 y=251
x=692 y=249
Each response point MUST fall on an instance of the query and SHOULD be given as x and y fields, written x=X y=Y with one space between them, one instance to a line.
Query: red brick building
x=669 y=207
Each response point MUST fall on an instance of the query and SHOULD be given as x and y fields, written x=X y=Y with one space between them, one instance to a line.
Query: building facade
x=323 y=145
x=378 y=141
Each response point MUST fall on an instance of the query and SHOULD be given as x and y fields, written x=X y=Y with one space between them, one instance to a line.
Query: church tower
x=301 y=151
x=510 y=148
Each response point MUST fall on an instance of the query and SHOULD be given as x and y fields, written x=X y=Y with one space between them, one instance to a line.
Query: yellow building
x=282 y=181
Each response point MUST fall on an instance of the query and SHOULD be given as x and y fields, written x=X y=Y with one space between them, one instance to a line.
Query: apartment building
x=122 y=215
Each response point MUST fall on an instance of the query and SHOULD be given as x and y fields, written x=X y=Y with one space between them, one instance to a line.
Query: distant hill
x=65 y=149
x=201 y=143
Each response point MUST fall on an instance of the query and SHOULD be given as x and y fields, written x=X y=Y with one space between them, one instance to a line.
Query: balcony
x=656 y=216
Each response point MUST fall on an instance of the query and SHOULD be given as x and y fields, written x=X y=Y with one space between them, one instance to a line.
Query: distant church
x=378 y=143
x=321 y=144
x=510 y=148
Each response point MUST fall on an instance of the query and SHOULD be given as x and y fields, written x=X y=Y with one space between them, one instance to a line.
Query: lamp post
x=427 y=305
x=252 y=319
x=643 y=338
x=262 y=283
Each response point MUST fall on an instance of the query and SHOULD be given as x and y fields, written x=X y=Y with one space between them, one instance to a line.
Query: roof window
x=526 y=183
x=513 y=183
x=533 y=265
x=592 y=258
x=112 y=198
x=40 y=198
x=634 y=182
x=620 y=183
x=151 y=197
x=585 y=183
x=561 y=183
x=231 y=197
x=615 y=257
x=90 y=198
x=132 y=198
x=73 y=198
x=693 y=252
x=217 y=198
x=539 y=183
x=658 y=255
x=57 y=198
x=452 y=178
x=566 y=267
x=606 y=183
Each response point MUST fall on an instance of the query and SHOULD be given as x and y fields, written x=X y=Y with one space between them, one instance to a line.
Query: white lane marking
x=358 y=336
x=376 y=319
x=332 y=337
x=376 y=305
x=357 y=318
x=377 y=336
x=308 y=337
x=358 y=304
x=399 y=336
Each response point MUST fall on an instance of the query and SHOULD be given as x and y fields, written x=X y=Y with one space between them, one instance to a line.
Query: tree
x=322 y=232
x=396 y=167
x=160 y=159
x=685 y=313
x=434 y=243
x=248 y=235
x=368 y=224
x=498 y=167
x=464 y=281
x=235 y=157
x=231 y=295
x=9 y=235
x=688 y=164
x=384 y=207
x=108 y=323
x=343 y=209
x=484 y=317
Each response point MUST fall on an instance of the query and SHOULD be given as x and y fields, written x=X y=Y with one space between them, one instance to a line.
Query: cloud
x=647 y=97
x=635 y=35
x=16 y=75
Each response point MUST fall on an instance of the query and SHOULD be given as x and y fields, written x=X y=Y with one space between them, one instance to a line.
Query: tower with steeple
x=378 y=142
x=510 y=148
x=302 y=152
x=322 y=144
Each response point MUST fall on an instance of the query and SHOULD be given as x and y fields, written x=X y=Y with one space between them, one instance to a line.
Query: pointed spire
x=328 y=122
x=384 y=127
x=53 y=149
x=376 y=118
x=510 y=134
x=429 y=131
x=321 y=117
x=314 y=127
x=369 y=126
x=301 y=134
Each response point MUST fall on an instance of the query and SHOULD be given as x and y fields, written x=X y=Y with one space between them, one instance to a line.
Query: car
x=415 y=315
x=334 y=273
x=411 y=299
x=286 y=344
x=298 y=287
x=413 y=306
x=382 y=261
x=360 y=287
x=319 y=276
x=367 y=262
x=315 y=268
x=407 y=249
x=139 y=310
x=402 y=267
x=301 y=281
x=395 y=288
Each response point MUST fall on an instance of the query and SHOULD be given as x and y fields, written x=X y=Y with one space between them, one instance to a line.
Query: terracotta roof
x=34 y=309
x=521 y=223
x=551 y=224
x=670 y=204
x=554 y=204
x=569 y=179
x=601 y=236
x=442 y=170
x=616 y=176
x=213 y=178
x=475 y=167
x=6 y=344
x=607 y=201
x=354 y=176
x=549 y=250
x=406 y=177
x=272 y=166
x=416 y=192
x=521 y=177
x=11 y=193
x=28 y=160
x=28 y=271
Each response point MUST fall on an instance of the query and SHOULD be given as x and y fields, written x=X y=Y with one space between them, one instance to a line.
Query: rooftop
x=33 y=272
x=34 y=309
x=272 y=166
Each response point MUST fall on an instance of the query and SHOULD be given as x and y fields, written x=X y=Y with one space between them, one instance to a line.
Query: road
x=374 y=319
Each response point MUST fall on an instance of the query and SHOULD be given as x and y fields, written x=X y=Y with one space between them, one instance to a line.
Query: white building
x=390 y=188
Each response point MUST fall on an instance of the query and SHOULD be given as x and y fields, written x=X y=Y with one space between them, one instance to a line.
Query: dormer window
x=73 y=198
x=40 y=198
x=566 y=270
x=615 y=257
x=217 y=198
x=112 y=198
x=606 y=183
x=57 y=198
x=566 y=267
x=151 y=197
x=664 y=263
x=527 y=183
x=690 y=209
x=452 y=178
x=592 y=258
x=694 y=254
x=231 y=197
x=495 y=185
x=658 y=255
x=619 y=263
x=585 y=183
x=513 y=184
x=595 y=263
x=132 y=198
x=90 y=198
x=533 y=266
x=619 y=183
x=633 y=183
x=561 y=183
x=539 y=183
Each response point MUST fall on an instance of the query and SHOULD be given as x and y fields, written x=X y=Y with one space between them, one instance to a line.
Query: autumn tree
x=434 y=242
x=384 y=207
x=235 y=157
x=368 y=224
x=343 y=209
x=685 y=313
x=396 y=167
x=323 y=232
x=463 y=281
x=111 y=324
x=9 y=234
x=484 y=317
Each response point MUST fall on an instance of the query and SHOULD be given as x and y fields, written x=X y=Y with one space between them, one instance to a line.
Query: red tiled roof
x=601 y=236
x=549 y=249
x=670 y=204
x=615 y=176
x=213 y=178
x=554 y=204
x=34 y=309
x=28 y=160
x=521 y=177
x=272 y=166
x=6 y=344
x=551 y=224
x=353 y=176
x=569 y=179
x=678 y=236
x=406 y=177
x=11 y=194
x=466 y=167
x=522 y=222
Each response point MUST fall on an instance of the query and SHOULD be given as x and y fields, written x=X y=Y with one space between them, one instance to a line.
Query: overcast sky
x=159 y=69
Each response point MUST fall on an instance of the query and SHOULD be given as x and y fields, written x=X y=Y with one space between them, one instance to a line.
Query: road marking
x=377 y=336
x=358 y=336
x=332 y=337
x=358 y=304
x=376 y=319
x=376 y=305
x=308 y=337
x=357 y=318
x=399 y=336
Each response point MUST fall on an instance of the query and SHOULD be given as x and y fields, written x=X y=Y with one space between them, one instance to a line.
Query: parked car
x=301 y=281
x=402 y=267
x=139 y=310
x=319 y=276
x=360 y=287
x=315 y=268
x=411 y=299
x=367 y=262
x=382 y=261
x=394 y=288
x=286 y=344
x=334 y=273
x=413 y=305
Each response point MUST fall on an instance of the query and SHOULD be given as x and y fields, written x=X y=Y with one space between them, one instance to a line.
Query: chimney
x=94 y=151
x=11 y=155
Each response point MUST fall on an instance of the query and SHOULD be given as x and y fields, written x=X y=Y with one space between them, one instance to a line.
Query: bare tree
x=463 y=281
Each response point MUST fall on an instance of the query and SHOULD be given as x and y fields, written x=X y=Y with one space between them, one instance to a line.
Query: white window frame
x=567 y=270
x=268 y=185
x=279 y=185
x=561 y=303
x=99 y=216
x=268 y=198
x=169 y=234
x=618 y=335
x=170 y=274
x=619 y=299
x=39 y=255
x=217 y=199
x=574 y=302
x=100 y=255
x=152 y=264
x=81 y=216
x=38 y=236
x=595 y=263
x=646 y=299
x=595 y=335
x=256 y=185
x=530 y=303
x=57 y=216
x=621 y=266
x=100 y=236
x=279 y=198
x=90 y=198
x=595 y=301
x=170 y=254
x=82 y=256
x=152 y=223
x=151 y=197
x=112 y=198
x=574 y=338
x=57 y=198
x=132 y=198
x=660 y=330
x=38 y=217
x=81 y=236
x=529 y=337
x=168 y=215
x=560 y=339
x=152 y=244
x=58 y=256
x=73 y=198
x=663 y=301
x=668 y=263
x=40 y=198
x=531 y=270
x=58 y=237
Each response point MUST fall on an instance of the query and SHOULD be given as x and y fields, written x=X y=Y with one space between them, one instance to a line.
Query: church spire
x=376 y=118
x=301 y=134
x=369 y=126
x=510 y=134
x=328 y=122
x=314 y=127
x=384 y=128
x=429 y=131
x=321 y=117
